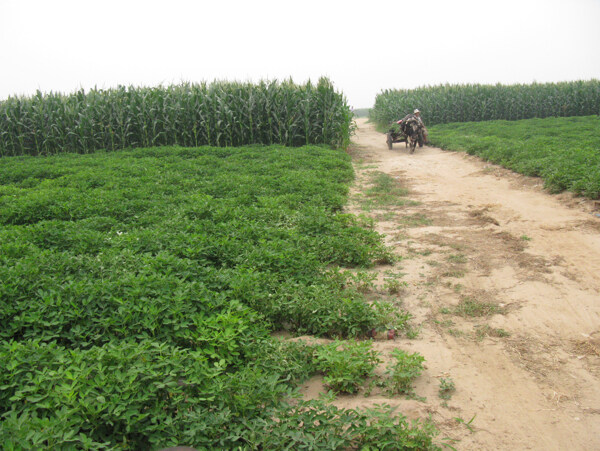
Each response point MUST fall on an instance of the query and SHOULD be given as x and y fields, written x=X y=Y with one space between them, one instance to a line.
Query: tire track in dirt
x=476 y=235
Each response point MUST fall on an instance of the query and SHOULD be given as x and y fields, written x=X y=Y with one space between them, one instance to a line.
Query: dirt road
x=504 y=281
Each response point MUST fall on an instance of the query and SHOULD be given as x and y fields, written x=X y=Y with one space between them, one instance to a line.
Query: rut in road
x=503 y=281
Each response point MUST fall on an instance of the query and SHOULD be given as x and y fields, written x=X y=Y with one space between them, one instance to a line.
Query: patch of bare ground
x=502 y=280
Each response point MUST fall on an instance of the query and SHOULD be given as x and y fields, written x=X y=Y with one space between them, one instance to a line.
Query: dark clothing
x=413 y=117
x=412 y=123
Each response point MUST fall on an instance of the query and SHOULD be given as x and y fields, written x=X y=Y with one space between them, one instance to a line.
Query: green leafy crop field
x=139 y=288
x=564 y=152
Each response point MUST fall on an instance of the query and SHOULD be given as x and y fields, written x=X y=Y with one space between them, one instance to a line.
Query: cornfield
x=465 y=103
x=217 y=114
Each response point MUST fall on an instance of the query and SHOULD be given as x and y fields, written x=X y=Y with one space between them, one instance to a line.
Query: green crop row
x=217 y=114
x=139 y=288
x=147 y=395
x=471 y=103
x=564 y=152
x=183 y=232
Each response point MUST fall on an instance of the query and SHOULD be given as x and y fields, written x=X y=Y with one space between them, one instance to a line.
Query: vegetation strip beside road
x=564 y=152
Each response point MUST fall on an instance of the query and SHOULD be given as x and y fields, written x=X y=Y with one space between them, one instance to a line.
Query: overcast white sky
x=362 y=46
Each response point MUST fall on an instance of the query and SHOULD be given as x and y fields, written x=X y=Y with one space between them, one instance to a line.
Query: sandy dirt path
x=474 y=234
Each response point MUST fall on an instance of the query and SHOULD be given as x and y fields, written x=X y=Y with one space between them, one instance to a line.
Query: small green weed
x=456 y=273
x=385 y=191
x=388 y=216
x=415 y=220
x=412 y=332
x=362 y=280
x=457 y=258
x=447 y=388
x=467 y=424
x=366 y=221
x=346 y=365
x=456 y=333
x=445 y=323
x=389 y=316
x=394 y=286
x=368 y=166
x=471 y=307
x=385 y=184
x=486 y=331
x=402 y=371
x=391 y=273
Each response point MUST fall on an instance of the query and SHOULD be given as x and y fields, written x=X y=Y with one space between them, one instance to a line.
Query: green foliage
x=138 y=290
x=471 y=103
x=346 y=365
x=120 y=390
x=314 y=425
x=403 y=370
x=482 y=331
x=564 y=152
x=472 y=307
x=385 y=184
x=447 y=388
x=208 y=230
x=219 y=114
x=394 y=286
x=145 y=395
x=467 y=424
x=415 y=220
x=384 y=191
x=390 y=316
x=390 y=427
